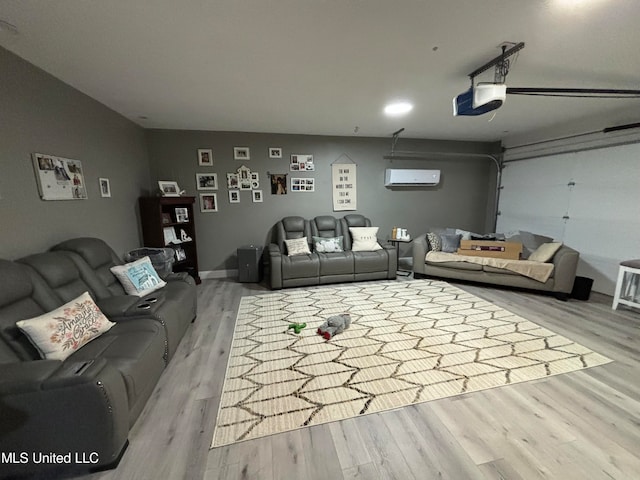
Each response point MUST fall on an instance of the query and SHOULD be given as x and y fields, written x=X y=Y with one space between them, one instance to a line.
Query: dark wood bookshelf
x=159 y=213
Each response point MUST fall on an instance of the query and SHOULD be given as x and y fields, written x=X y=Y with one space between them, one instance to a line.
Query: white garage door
x=589 y=200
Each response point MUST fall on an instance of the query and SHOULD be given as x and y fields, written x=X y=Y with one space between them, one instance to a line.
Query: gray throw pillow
x=450 y=243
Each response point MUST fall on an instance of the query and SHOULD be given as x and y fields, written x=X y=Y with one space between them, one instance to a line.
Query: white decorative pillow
x=545 y=252
x=59 y=333
x=139 y=277
x=328 y=244
x=297 y=246
x=365 y=239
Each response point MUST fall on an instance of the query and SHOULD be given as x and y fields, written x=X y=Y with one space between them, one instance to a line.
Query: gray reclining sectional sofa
x=322 y=268
x=87 y=403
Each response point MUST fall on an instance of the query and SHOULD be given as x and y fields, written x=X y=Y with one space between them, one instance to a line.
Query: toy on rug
x=297 y=327
x=334 y=325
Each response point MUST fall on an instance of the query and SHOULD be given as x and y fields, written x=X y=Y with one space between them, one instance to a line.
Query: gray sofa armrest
x=565 y=263
x=419 y=249
x=125 y=307
x=24 y=377
x=393 y=259
x=119 y=305
x=51 y=406
x=275 y=266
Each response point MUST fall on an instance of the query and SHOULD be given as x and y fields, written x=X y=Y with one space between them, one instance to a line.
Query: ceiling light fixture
x=398 y=108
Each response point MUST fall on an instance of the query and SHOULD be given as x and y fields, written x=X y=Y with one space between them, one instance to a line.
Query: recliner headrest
x=56 y=268
x=16 y=283
x=94 y=251
x=293 y=224
x=355 y=220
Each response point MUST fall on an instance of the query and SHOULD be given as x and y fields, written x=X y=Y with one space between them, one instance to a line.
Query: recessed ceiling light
x=398 y=108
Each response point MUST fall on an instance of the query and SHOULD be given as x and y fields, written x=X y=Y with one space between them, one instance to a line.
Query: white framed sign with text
x=343 y=176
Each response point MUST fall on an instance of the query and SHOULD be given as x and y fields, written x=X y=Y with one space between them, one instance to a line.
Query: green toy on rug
x=297 y=327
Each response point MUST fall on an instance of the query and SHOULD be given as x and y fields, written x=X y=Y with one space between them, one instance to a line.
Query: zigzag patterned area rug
x=409 y=342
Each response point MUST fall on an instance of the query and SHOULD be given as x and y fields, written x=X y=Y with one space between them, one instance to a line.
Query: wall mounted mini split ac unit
x=404 y=177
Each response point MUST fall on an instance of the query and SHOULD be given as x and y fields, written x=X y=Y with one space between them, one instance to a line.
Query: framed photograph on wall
x=208 y=202
x=241 y=153
x=256 y=196
x=255 y=180
x=303 y=184
x=105 y=187
x=232 y=181
x=278 y=183
x=300 y=163
x=244 y=177
x=207 y=181
x=205 y=157
x=234 y=196
x=275 y=152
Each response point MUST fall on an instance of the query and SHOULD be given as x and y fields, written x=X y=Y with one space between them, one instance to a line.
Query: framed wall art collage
x=61 y=178
x=245 y=179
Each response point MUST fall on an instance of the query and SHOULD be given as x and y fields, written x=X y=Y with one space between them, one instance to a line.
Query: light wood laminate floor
x=581 y=425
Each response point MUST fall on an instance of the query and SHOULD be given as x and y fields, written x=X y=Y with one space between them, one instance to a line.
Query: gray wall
x=42 y=114
x=463 y=198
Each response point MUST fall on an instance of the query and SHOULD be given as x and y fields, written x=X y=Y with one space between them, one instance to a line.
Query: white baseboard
x=218 y=274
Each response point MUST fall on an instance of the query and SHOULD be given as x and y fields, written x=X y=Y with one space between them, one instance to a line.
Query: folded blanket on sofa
x=537 y=270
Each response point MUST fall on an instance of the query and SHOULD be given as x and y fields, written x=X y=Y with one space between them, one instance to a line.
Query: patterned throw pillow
x=297 y=246
x=59 y=333
x=435 y=243
x=327 y=244
x=365 y=239
x=139 y=277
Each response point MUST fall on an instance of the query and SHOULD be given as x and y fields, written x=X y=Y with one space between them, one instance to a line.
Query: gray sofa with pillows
x=79 y=357
x=328 y=250
x=560 y=282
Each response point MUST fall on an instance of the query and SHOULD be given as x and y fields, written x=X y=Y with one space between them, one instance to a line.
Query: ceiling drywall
x=330 y=66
